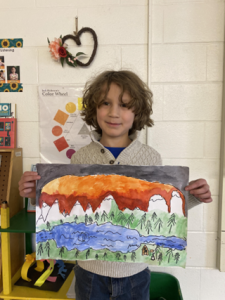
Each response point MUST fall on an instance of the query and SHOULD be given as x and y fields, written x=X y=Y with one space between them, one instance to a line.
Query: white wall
x=185 y=69
x=186 y=77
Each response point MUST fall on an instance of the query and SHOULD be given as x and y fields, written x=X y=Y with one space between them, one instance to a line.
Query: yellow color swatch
x=70 y=107
x=80 y=103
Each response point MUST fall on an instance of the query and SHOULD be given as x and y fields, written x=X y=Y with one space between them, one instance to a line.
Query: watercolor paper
x=112 y=213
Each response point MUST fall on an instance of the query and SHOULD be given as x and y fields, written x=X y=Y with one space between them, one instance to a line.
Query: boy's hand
x=200 y=189
x=27 y=184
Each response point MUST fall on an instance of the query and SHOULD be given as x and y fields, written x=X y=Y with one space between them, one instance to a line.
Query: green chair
x=164 y=286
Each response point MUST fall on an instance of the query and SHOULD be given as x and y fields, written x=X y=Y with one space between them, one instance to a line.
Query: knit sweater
x=135 y=154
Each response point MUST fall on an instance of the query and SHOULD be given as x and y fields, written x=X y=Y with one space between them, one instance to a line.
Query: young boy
x=117 y=105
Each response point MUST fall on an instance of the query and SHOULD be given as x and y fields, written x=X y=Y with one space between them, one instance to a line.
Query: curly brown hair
x=141 y=98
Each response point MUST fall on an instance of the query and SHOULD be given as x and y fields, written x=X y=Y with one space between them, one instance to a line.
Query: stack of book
x=8 y=125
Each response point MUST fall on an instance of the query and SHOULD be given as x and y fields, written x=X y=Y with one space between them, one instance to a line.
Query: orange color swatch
x=57 y=130
x=61 y=117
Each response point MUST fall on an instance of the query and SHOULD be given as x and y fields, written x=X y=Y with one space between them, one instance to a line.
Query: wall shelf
x=22 y=222
x=15 y=223
x=11 y=170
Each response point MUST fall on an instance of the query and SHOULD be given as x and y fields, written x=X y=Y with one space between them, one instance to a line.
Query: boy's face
x=113 y=117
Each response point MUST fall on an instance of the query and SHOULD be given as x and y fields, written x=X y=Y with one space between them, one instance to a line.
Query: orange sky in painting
x=128 y=192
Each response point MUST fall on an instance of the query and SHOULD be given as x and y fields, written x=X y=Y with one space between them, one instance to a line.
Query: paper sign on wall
x=62 y=131
x=10 y=69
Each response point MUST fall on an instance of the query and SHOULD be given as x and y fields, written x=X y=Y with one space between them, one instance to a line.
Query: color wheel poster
x=62 y=131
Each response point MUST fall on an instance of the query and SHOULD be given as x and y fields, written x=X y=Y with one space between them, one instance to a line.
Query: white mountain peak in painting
x=156 y=202
x=52 y=213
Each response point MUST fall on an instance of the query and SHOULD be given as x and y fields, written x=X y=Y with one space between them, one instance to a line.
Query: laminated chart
x=62 y=131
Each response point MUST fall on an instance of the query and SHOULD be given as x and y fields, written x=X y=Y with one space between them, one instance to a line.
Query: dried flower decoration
x=60 y=53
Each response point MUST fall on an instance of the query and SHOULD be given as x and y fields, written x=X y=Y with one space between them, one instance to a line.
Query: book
x=7 y=110
x=8 y=132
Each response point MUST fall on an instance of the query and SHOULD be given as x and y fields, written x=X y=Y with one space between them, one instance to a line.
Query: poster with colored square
x=10 y=65
x=62 y=130
x=129 y=214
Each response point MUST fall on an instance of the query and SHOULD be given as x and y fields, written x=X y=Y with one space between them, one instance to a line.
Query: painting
x=117 y=213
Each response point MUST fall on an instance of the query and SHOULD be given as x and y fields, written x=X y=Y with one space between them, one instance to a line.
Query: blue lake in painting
x=113 y=237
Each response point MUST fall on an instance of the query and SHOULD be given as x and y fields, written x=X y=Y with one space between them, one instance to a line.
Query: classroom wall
x=186 y=77
x=183 y=65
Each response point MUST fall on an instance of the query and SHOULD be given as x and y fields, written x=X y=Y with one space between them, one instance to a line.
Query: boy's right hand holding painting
x=27 y=184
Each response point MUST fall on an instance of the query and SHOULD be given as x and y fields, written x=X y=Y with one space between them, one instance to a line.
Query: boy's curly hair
x=141 y=98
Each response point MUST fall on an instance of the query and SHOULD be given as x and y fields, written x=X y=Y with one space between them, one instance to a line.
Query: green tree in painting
x=159 y=224
x=104 y=216
x=87 y=253
x=121 y=218
x=47 y=247
x=154 y=217
x=133 y=256
x=76 y=218
x=40 y=249
x=96 y=256
x=142 y=221
x=160 y=258
x=96 y=216
x=171 y=222
x=148 y=226
x=118 y=256
x=77 y=253
x=130 y=220
x=90 y=220
x=48 y=225
x=119 y=215
x=111 y=216
x=177 y=257
x=125 y=257
x=105 y=256
x=61 y=251
x=86 y=219
x=157 y=251
x=169 y=253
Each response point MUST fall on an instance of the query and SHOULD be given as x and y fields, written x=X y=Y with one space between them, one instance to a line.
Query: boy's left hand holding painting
x=200 y=189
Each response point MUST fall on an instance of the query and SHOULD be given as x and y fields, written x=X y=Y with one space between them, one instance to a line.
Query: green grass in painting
x=147 y=223
x=157 y=256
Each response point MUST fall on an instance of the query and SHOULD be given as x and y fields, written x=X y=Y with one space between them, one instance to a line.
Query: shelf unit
x=11 y=170
x=23 y=222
